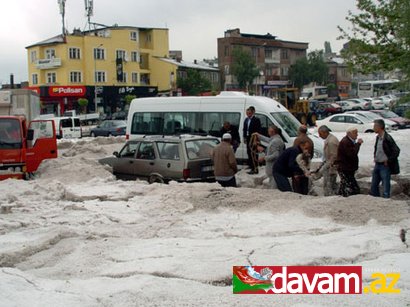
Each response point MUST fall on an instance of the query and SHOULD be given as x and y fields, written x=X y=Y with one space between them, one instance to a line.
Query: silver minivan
x=184 y=158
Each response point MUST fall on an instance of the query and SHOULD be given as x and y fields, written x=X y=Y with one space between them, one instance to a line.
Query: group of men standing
x=339 y=158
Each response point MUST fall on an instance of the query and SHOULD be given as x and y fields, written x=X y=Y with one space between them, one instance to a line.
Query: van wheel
x=156 y=179
x=92 y=134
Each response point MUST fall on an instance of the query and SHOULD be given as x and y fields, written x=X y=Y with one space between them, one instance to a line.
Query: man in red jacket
x=348 y=162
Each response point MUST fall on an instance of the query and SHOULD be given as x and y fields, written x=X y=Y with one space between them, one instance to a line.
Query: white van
x=67 y=127
x=206 y=115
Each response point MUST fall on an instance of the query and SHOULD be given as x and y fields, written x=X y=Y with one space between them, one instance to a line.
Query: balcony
x=48 y=63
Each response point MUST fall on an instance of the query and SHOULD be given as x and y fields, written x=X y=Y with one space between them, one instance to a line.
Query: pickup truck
x=23 y=147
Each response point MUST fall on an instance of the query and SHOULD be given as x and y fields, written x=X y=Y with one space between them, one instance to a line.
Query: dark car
x=164 y=158
x=403 y=123
x=325 y=109
x=109 y=128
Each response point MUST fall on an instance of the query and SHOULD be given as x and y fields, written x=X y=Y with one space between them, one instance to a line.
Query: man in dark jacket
x=348 y=162
x=251 y=125
x=286 y=166
x=386 y=153
x=233 y=131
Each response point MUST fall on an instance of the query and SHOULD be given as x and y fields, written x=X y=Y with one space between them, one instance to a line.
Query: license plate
x=207 y=168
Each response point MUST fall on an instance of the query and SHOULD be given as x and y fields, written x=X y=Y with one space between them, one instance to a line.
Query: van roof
x=233 y=98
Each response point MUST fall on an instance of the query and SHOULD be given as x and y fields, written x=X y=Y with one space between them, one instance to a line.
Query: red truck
x=24 y=146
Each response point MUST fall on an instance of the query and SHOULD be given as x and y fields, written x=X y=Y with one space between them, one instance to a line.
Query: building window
x=254 y=52
x=75 y=77
x=51 y=77
x=134 y=77
x=226 y=51
x=99 y=54
x=124 y=78
x=50 y=53
x=284 y=71
x=226 y=69
x=285 y=55
x=135 y=57
x=74 y=53
x=100 y=77
x=34 y=79
x=121 y=54
x=33 y=56
x=134 y=36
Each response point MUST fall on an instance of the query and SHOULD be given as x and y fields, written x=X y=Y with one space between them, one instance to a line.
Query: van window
x=265 y=123
x=287 y=122
x=212 y=122
x=180 y=122
x=147 y=123
x=66 y=123
x=77 y=122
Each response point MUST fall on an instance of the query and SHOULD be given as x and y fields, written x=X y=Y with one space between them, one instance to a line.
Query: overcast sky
x=194 y=25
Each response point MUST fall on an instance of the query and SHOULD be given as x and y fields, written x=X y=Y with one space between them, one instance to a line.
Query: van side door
x=41 y=143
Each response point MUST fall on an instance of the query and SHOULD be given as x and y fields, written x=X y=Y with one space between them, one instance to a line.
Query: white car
x=376 y=103
x=360 y=104
x=341 y=122
x=388 y=100
x=345 y=105
x=390 y=125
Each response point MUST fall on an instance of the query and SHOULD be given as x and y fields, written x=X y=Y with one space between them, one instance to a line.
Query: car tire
x=156 y=179
x=92 y=134
x=369 y=131
x=109 y=134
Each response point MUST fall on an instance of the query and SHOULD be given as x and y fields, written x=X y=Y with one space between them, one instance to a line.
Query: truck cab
x=23 y=147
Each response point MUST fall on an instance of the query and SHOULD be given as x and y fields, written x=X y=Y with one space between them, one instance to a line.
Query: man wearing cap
x=225 y=166
x=348 y=162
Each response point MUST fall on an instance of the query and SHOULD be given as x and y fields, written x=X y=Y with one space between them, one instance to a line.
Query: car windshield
x=388 y=114
x=118 y=123
x=287 y=122
x=200 y=149
x=10 y=134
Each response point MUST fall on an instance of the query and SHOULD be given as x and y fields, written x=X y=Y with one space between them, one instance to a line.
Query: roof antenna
x=61 y=4
x=89 y=11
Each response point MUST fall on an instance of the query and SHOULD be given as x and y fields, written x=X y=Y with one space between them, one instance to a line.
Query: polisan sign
x=64 y=91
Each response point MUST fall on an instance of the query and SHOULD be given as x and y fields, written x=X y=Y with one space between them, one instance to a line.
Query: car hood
x=108 y=160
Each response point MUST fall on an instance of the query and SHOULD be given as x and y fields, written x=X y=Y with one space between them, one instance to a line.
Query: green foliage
x=407 y=114
x=312 y=69
x=244 y=68
x=379 y=36
x=194 y=83
x=129 y=98
x=82 y=102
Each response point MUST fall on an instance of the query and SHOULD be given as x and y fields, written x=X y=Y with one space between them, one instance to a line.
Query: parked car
x=389 y=100
x=345 y=105
x=401 y=121
x=373 y=116
x=401 y=109
x=340 y=122
x=325 y=109
x=121 y=115
x=184 y=158
x=376 y=103
x=360 y=104
x=109 y=128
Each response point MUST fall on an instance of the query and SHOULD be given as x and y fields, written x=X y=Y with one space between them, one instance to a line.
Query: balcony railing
x=48 y=63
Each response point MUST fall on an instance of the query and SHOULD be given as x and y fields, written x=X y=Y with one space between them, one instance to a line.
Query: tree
x=379 y=36
x=310 y=69
x=244 y=68
x=83 y=103
x=299 y=73
x=194 y=83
